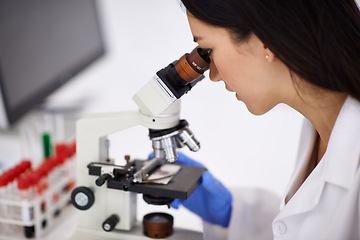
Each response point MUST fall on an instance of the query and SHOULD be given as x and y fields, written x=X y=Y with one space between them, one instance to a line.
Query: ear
x=269 y=55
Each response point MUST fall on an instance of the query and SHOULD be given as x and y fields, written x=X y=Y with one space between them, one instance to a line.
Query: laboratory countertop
x=66 y=230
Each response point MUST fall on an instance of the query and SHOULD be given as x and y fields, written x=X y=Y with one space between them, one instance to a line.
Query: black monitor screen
x=43 y=43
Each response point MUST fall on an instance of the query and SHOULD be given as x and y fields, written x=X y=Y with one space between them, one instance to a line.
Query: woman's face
x=247 y=68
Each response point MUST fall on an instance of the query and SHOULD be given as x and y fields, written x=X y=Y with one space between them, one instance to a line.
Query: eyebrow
x=196 y=38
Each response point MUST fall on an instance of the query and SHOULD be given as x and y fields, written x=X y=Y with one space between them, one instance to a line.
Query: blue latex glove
x=211 y=200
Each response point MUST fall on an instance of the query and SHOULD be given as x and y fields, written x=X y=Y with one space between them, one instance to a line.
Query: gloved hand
x=211 y=200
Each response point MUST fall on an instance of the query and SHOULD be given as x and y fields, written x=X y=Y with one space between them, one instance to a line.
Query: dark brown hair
x=319 y=40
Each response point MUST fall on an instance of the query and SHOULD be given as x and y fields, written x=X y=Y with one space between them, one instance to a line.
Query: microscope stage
x=181 y=186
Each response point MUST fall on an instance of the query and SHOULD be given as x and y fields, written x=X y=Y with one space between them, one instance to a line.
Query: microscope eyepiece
x=199 y=59
x=191 y=66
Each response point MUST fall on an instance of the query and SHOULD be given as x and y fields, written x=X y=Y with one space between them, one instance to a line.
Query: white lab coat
x=327 y=204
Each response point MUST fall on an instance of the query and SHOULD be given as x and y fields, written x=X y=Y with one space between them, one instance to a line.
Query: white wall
x=240 y=149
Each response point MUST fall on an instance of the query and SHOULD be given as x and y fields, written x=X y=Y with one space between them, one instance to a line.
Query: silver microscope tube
x=187 y=137
x=158 y=152
x=169 y=147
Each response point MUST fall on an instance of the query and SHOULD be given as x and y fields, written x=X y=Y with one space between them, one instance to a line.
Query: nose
x=214 y=73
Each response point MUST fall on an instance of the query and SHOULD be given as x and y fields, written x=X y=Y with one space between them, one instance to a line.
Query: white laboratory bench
x=66 y=230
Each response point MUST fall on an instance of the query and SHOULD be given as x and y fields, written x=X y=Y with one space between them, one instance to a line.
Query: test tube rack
x=32 y=215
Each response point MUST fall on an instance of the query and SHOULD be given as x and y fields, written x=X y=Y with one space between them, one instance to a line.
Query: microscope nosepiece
x=166 y=141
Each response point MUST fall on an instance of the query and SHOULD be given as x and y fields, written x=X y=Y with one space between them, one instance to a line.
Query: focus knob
x=110 y=223
x=102 y=179
x=82 y=198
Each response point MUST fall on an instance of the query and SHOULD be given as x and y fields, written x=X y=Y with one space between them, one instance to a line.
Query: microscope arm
x=91 y=132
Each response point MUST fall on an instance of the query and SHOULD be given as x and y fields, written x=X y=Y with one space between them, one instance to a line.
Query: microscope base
x=135 y=234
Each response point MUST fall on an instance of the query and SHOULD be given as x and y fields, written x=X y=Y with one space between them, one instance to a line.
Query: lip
x=238 y=97
x=229 y=89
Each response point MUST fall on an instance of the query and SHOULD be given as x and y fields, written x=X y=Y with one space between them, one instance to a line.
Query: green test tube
x=47 y=146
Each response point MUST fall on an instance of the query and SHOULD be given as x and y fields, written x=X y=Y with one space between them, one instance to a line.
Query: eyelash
x=209 y=50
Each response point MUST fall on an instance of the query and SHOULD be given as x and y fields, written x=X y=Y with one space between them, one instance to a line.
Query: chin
x=258 y=111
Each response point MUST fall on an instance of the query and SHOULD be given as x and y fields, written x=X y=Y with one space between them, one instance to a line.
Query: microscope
x=106 y=192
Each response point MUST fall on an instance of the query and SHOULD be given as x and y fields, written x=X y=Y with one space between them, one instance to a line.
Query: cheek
x=226 y=69
x=214 y=74
x=231 y=74
x=248 y=77
x=241 y=72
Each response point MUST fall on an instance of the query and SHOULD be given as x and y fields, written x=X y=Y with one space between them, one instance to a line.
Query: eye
x=205 y=53
x=209 y=52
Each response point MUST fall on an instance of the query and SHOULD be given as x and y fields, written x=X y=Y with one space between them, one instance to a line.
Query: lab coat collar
x=342 y=155
x=308 y=194
x=307 y=140
x=338 y=165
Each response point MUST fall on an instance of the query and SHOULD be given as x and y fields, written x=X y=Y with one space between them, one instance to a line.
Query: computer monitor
x=43 y=44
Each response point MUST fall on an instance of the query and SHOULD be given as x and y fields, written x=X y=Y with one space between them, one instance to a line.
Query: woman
x=306 y=54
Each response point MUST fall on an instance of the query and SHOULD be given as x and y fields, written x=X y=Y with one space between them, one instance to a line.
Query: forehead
x=209 y=36
x=201 y=30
